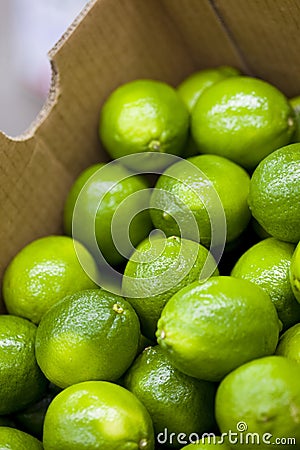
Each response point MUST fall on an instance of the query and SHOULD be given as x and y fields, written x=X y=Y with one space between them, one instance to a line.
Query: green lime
x=12 y=439
x=275 y=191
x=260 y=401
x=99 y=191
x=208 y=329
x=157 y=269
x=144 y=116
x=90 y=335
x=243 y=119
x=267 y=264
x=295 y=102
x=21 y=380
x=193 y=86
x=176 y=402
x=208 y=186
x=295 y=272
x=97 y=415
x=289 y=343
x=44 y=272
x=208 y=442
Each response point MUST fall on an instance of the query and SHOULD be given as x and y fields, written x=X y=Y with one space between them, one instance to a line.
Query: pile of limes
x=168 y=315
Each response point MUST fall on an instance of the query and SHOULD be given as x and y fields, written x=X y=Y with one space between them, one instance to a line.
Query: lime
x=261 y=402
x=193 y=86
x=144 y=116
x=44 y=272
x=97 y=415
x=99 y=191
x=208 y=329
x=295 y=102
x=243 y=119
x=275 y=191
x=267 y=264
x=295 y=273
x=21 y=380
x=176 y=402
x=206 y=443
x=12 y=439
x=159 y=268
x=208 y=186
x=289 y=343
x=90 y=335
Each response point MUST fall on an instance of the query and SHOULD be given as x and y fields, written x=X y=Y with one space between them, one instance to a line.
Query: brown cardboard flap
x=266 y=33
x=204 y=33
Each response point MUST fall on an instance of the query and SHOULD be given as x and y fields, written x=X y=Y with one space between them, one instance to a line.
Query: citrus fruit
x=21 y=380
x=143 y=116
x=263 y=396
x=289 y=343
x=267 y=264
x=208 y=329
x=42 y=273
x=176 y=402
x=295 y=272
x=97 y=415
x=90 y=335
x=295 y=102
x=209 y=186
x=157 y=269
x=12 y=439
x=206 y=443
x=99 y=191
x=275 y=191
x=194 y=85
x=243 y=119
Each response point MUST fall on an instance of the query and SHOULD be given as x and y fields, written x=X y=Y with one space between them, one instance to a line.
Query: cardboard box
x=114 y=41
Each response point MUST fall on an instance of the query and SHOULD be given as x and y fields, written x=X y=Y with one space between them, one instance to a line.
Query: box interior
x=112 y=42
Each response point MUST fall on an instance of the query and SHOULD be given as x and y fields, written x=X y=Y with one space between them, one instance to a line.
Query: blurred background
x=28 y=29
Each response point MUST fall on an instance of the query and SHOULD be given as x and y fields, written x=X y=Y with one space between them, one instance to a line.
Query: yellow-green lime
x=262 y=399
x=206 y=443
x=208 y=186
x=243 y=119
x=209 y=329
x=194 y=85
x=97 y=415
x=289 y=344
x=21 y=380
x=90 y=335
x=157 y=269
x=295 y=102
x=99 y=191
x=44 y=272
x=144 y=116
x=295 y=272
x=267 y=264
x=12 y=439
x=275 y=192
x=176 y=402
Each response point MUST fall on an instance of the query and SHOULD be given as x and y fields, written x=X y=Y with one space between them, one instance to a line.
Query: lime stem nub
x=118 y=308
x=143 y=443
x=154 y=146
